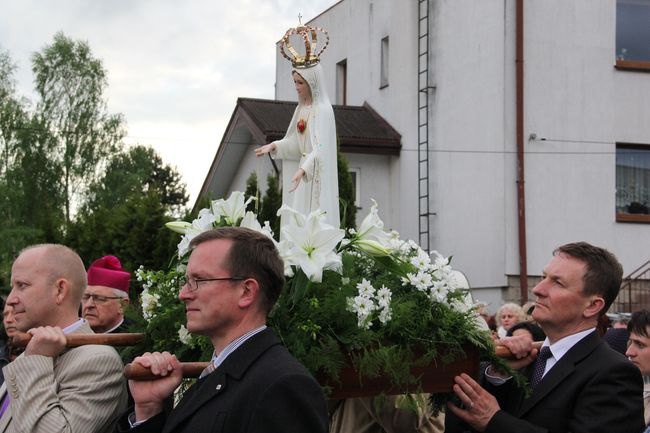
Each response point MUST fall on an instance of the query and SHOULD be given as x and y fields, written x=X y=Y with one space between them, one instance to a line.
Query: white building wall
x=374 y=182
x=574 y=98
x=467 y=137
x=582 y=105
x=252 y=164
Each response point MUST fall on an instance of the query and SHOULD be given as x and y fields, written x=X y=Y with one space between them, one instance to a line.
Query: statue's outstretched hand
x=295 y=180
x=267 y=148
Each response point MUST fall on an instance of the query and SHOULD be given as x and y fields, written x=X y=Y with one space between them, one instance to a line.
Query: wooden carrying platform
x=437 y=377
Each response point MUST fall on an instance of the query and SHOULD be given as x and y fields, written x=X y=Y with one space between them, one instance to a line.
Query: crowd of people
x=576 y=381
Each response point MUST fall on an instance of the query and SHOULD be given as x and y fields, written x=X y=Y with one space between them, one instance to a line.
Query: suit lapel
x=216 y=384
x=563 y=368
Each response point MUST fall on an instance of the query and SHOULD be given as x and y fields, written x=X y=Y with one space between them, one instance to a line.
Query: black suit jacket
x=260 y=387
x=591 y=389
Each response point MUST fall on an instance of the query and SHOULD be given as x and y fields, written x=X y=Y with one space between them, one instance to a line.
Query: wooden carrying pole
x=74 y=340
x=194 y=369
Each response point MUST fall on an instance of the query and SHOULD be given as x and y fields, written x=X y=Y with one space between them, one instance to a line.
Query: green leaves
x=70 y=84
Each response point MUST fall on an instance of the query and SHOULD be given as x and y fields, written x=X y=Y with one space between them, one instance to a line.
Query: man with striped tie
x=578 y=383
x=234 y=277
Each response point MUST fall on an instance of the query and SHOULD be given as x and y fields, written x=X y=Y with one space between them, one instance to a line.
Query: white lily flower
x=314 y=245
x=233 y=209
x=205 y=221
x=291 y=215
x=250 y=221
x=285 y=249
x=372 y=228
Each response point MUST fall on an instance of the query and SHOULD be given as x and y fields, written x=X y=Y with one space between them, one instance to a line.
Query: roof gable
x=259 y=121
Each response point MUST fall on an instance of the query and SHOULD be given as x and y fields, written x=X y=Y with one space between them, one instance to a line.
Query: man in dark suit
x=234 y=277
x=579 y=384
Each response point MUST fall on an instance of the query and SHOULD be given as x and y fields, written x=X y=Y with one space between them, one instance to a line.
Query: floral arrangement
x=361 y=296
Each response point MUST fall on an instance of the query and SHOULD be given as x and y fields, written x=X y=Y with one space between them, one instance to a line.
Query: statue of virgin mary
x=308 y=150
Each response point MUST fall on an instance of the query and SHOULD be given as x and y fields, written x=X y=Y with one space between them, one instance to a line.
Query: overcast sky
x=175 y=68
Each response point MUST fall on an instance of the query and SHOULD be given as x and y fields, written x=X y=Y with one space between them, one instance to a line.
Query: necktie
x=5 y=404
x=207 y=370
x=540 y=366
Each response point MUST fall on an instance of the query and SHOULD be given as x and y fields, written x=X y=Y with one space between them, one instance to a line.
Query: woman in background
x=508 y=315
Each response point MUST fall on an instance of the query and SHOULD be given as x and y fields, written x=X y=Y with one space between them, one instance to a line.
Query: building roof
x=259 y=121
x=359 y=128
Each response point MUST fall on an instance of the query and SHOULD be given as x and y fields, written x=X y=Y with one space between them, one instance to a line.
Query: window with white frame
x=633 y=34
x=342 y=82
x=632 y=183
x=383 y=81
x=355 y=174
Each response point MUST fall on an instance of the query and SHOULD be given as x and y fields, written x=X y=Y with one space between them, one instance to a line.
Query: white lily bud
x=178 y=226
x=373 y=248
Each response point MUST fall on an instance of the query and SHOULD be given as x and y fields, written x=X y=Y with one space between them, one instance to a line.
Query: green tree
x=271 y=203
x=252 y=190
x=138 y=170
x=133 y=230
x=12 y=112
x=346 y=194
x=70 y=83
x=127 y=209
x=29 y=192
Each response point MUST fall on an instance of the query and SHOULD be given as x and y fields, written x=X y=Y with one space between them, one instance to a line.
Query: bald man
x=51 y=388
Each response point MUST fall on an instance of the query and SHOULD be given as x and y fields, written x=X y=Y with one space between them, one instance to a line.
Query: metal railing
x=635 y=291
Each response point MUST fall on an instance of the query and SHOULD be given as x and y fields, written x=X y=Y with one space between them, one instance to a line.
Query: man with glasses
x=234 y=277
x=106 y=296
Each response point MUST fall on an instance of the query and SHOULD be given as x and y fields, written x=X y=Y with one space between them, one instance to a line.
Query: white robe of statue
x=313 y=150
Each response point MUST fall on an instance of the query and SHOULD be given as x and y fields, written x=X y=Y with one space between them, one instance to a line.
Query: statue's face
x=302 y=88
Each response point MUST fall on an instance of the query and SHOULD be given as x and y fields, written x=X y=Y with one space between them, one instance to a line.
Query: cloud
x=175 y=69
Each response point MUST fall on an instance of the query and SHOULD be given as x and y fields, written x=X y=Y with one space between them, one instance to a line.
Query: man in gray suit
x=50 y=388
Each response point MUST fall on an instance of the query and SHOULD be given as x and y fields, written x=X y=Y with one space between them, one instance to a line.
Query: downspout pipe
x=521 y=192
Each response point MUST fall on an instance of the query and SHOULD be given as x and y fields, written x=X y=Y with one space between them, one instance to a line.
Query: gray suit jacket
x=80 y=391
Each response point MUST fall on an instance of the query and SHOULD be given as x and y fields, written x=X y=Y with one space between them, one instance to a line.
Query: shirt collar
x=218 y=358
x=562 y=346
x=115 y=327
x=71 y=328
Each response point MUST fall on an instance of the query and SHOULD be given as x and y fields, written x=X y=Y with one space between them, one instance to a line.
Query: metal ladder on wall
x=424 y=209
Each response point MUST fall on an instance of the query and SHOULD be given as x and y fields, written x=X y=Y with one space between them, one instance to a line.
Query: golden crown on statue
x=310 y=39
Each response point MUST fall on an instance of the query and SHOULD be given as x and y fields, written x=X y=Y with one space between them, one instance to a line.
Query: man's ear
x=61 y=290
x=124 y=302
x=249 y=293
x=596 y=304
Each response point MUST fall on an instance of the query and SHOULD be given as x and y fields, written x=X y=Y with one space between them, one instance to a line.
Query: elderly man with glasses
x=106 y=297
x=234 y=277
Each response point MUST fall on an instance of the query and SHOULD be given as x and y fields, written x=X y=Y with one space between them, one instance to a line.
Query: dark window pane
x=633 y=30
